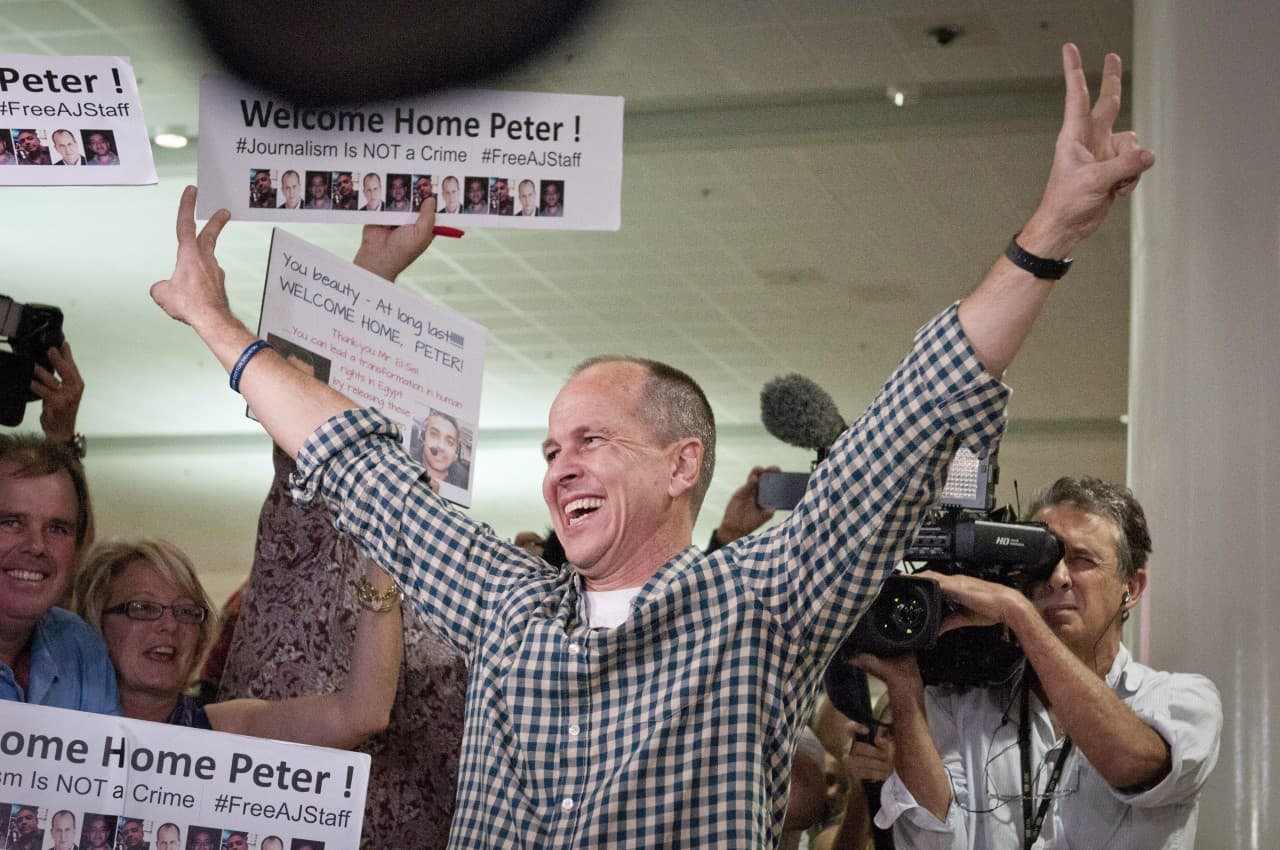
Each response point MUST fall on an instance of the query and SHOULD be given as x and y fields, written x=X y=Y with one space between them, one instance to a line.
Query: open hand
x=196 y=292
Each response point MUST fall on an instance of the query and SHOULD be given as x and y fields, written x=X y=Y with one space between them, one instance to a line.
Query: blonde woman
x=157 y=621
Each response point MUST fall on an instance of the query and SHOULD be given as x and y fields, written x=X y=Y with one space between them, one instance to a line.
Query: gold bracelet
x=379 y=602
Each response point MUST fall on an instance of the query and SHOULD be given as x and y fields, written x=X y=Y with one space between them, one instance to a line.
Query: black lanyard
x=1031 y=823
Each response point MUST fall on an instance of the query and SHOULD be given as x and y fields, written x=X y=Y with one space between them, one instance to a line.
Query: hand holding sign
x=386 y=250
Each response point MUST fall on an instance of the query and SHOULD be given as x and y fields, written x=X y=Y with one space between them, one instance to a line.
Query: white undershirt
x=607 y=609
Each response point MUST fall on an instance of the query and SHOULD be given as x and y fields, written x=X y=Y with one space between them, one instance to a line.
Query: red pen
x=451 y=232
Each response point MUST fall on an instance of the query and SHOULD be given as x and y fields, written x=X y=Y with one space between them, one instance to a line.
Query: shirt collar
x=1123 y=676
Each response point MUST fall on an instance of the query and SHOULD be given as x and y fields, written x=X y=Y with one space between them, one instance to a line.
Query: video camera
x=30 y=330
x=967 y=536
x=907 y=614
x=909 y=611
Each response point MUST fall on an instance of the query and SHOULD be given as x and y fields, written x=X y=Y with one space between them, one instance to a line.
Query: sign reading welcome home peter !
x=114 y=782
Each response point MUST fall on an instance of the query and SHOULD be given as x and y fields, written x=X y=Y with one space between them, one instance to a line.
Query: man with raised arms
x=647 y=694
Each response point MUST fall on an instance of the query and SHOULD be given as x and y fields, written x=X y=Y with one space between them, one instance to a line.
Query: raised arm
x=1092 y=166
x=345 y=718
x=289 y=404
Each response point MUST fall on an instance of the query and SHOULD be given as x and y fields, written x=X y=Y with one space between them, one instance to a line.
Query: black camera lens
x=904 y=616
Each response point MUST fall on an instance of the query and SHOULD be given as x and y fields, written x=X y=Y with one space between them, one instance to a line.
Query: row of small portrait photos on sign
x=302 y=189
x=37 y=146
x=28 y=827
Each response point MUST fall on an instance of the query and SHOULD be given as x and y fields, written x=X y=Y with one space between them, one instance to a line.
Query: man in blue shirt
x=48 y=656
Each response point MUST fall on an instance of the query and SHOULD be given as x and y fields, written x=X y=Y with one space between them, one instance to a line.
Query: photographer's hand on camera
x=976 y=602
x=915 y=758
x=869 y=762
x=60 y=392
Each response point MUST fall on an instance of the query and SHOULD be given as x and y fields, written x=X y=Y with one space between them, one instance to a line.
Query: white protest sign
x=60 y=116
x=112 y=782
x=482 y=158
x=420 y=363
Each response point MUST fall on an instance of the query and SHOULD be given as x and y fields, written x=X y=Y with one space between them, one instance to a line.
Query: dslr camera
x=30 y=331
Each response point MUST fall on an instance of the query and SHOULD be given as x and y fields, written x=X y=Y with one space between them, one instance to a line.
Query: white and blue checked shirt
x=675 y=729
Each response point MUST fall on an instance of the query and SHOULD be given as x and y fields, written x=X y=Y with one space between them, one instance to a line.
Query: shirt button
x=573 y=648
x=574 y=729
x=567 y=804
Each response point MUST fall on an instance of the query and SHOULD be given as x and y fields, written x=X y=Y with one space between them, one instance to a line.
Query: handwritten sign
x=420 y=363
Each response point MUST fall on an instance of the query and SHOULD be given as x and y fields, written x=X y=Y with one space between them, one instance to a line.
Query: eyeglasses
x=141 y=609
x=1069 y=783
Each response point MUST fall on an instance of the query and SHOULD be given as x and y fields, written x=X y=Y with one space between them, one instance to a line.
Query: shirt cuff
x=324 y=448
x=1171 y=788
x=897 y=802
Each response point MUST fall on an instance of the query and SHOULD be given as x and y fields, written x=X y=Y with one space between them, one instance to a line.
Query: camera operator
x=1085 y=742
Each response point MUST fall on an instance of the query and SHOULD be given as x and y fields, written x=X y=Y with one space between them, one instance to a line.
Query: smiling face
x=399 y=191
x=1083 y=597
x=475 y=193
x=319 y=187
x=608 y=483
x=99 y=145
x=203 y=840
x=37 y=545
x=151 y=657
x=440 y=446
